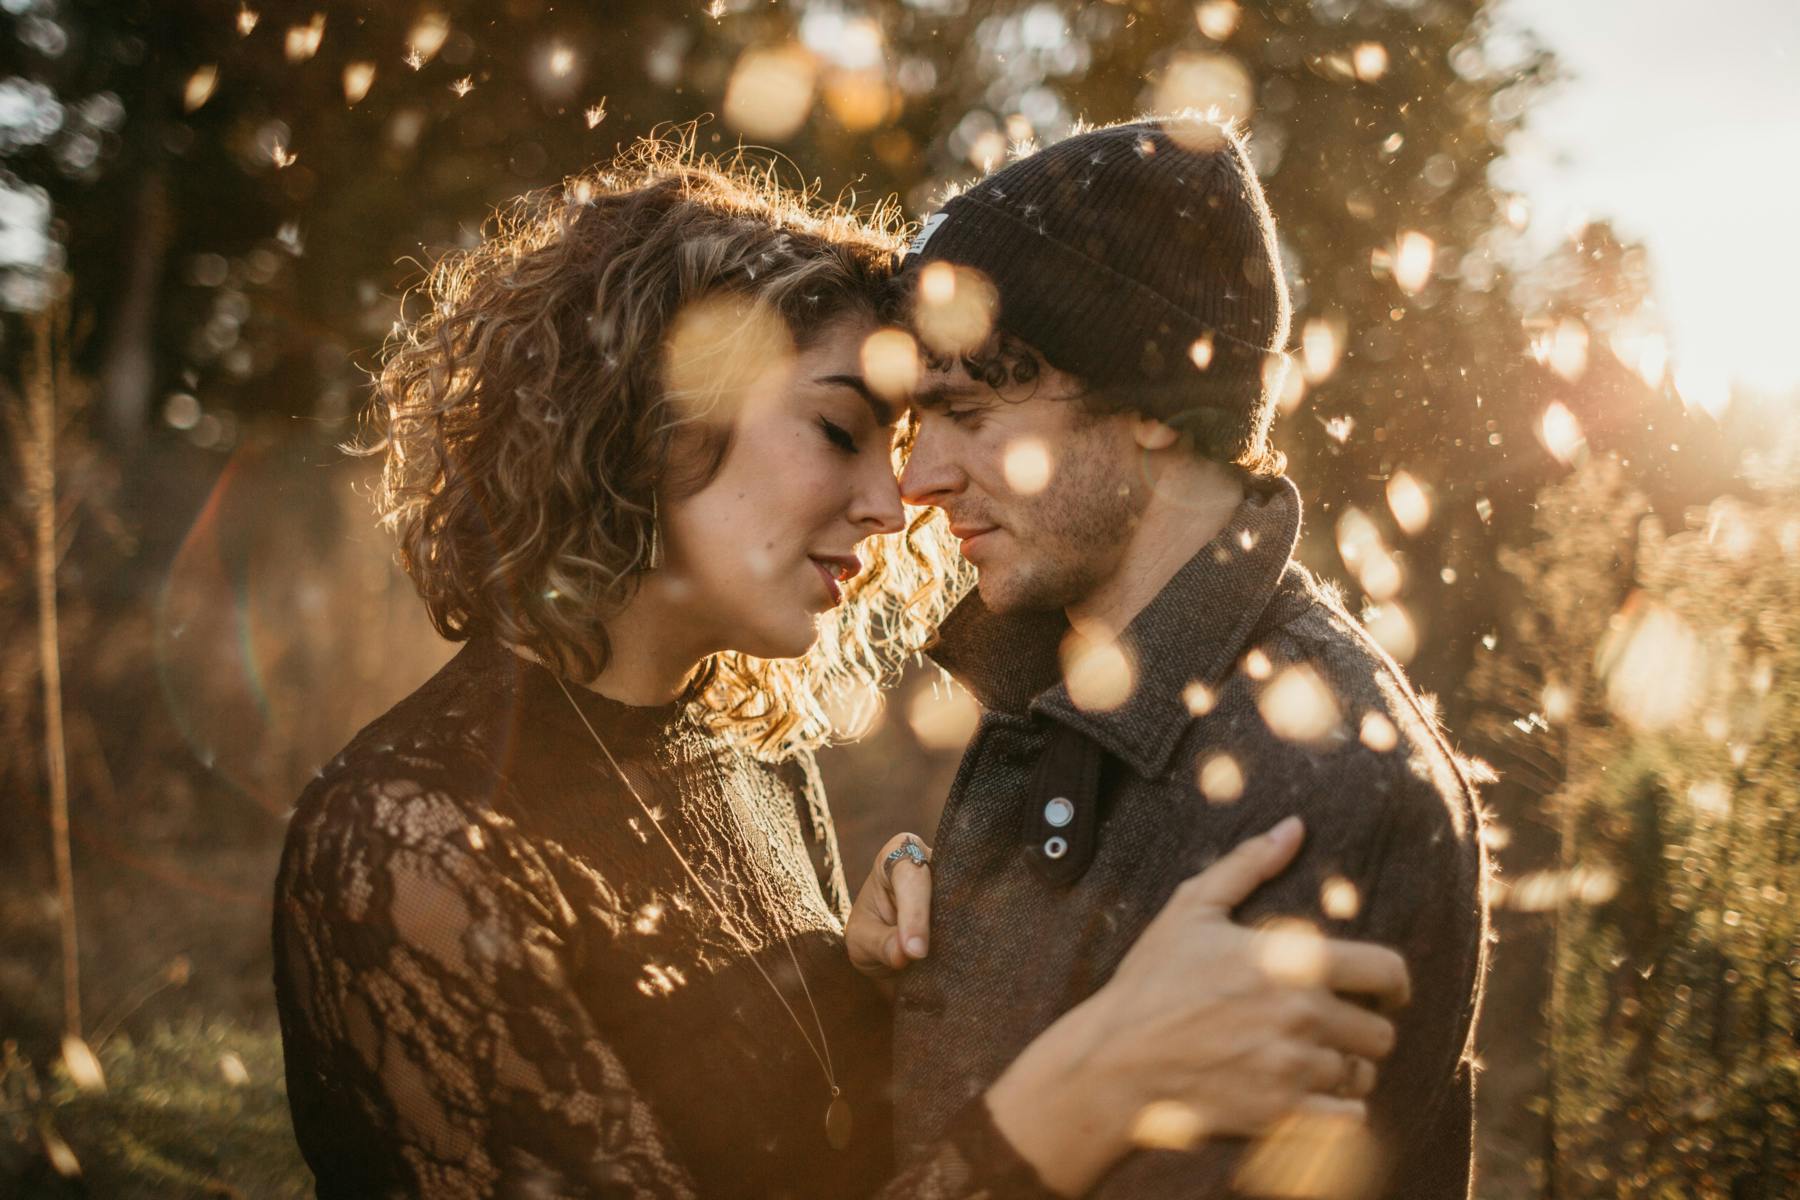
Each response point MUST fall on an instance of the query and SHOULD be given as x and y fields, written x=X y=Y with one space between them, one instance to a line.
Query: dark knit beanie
x=1142 y=259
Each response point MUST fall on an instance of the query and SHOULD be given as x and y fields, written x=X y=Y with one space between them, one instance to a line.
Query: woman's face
x=754 y=557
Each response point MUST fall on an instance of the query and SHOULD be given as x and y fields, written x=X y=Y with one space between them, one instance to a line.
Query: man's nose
x=929 y=476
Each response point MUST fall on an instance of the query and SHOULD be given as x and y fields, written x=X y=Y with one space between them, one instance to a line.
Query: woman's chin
x=789 y=641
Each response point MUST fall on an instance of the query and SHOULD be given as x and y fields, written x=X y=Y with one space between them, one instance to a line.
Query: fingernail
x=1285 y=831
x=915 y=946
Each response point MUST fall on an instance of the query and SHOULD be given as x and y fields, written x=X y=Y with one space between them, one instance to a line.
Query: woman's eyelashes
x=838 y=436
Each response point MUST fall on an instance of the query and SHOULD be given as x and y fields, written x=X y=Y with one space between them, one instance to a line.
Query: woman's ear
x=1151 y=434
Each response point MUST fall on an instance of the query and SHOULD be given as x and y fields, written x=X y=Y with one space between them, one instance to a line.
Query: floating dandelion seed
x=463 y=86
x=1392 y=630
x=1166 y=1125
x=1199 y=699
x=1257 y=664
x=62 y=1157
x=1201 y=352
x=1218 y=19
x=1409 y=502
x=246 y=20
x=715 y=9
x=1393 y=143
x=1413 y=255
x=1098 y=672
x=1559 y=703
x=1220 y=779
x=1291 y=951
x=596 y=113
x=1654 y=665
x=943 y=721
x=1568 y=349
x=303 y=40
x=1561 y=433
x=1211 y=82
x=1361 y=547
x=1378 y=733
x=770 y=92
x=233 y=1070
x=648 y=919
x=82 y=1064
x=477 y=839
x=561 y=61
x=1484 y=508
x=282 y=156
x=1370 y=60
x=1299 y=706
x=1321 y=342
x=200 y=87
x=890 y=363
x=1312 y=1156
x=358 y=78
x=1704 y=387
x=1518 y=212
x=956 y=309
x=1339 y=899
x=426 y=38
x=1339 y=429
x=1026 y=466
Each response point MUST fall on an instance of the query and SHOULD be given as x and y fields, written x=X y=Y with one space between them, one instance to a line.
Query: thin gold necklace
x=838 y=1122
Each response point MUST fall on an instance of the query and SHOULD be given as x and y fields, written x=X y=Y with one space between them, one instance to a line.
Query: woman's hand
x=1207 y=1027
x=890 y=922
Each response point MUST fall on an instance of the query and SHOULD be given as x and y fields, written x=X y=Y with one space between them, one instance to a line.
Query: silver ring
x=909 y=850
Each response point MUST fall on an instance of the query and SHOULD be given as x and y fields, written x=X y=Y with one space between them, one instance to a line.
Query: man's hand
x=890 y=923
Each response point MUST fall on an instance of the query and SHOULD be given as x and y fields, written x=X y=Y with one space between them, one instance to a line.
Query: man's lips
x=969 y=534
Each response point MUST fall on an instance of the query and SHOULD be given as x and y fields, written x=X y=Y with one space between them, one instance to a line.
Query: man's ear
x=1151 y=434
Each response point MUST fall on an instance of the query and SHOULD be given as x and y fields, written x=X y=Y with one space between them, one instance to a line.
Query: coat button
x=1059 y=812
x=1055 y=848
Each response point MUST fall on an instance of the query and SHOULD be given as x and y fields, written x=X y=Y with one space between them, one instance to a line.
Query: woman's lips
x=828 y=573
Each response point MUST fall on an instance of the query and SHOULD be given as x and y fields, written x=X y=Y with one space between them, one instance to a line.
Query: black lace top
x=495 y=979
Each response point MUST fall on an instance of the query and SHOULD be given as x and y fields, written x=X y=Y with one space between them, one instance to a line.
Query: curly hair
x=528 y=424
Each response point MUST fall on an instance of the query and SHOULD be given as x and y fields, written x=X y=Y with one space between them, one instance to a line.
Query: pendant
x=838 y=1124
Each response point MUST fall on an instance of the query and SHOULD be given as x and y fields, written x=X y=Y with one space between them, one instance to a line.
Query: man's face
x=1042 y=495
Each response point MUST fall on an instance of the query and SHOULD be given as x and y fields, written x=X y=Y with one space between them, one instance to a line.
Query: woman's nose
x=878 y=508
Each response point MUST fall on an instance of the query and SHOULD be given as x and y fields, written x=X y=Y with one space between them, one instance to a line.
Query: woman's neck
x=651 y=662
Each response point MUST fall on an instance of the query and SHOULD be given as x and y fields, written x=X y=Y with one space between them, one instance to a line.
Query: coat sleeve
x=435 y=1045
x=1387 y=859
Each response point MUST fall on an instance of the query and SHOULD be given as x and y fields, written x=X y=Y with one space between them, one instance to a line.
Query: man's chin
x=1006 y=592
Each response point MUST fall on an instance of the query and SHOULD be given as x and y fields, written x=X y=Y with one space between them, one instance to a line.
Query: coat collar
x=1192 y=631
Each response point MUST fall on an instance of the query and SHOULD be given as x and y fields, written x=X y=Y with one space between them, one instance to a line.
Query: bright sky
x=1682 y=124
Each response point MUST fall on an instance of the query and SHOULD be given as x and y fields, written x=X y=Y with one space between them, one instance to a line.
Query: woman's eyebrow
x=884 y=412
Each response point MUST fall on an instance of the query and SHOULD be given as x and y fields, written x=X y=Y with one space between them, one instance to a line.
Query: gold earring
x=656 y=551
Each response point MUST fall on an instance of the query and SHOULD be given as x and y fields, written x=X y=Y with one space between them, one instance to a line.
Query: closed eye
x=837 y=435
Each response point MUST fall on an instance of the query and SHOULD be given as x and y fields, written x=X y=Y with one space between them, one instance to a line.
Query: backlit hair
x=526 y=421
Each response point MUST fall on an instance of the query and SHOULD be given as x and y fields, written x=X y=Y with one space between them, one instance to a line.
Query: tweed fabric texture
x=1400 y=822
x=1116 y=251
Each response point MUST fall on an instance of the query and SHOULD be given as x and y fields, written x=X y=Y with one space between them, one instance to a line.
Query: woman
x=568 y=919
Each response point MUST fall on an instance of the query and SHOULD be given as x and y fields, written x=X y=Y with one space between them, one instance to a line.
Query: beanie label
x=924 y=235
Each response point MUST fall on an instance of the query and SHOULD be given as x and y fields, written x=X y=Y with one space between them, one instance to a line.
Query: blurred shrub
x=197 y=1109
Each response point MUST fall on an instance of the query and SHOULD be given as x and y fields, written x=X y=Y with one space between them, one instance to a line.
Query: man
x=1159 y=679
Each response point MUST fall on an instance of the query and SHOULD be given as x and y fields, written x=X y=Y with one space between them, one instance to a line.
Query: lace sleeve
x=422 y=968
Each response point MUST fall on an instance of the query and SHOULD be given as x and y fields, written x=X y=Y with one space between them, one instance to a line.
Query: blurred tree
x=1654 y=711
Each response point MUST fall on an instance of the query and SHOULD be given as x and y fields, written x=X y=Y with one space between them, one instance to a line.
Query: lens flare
x=890 y=363
x=771 y=91
x=943 y=720
x=1413 y=255
x=1410 y=502
x=955 y=314
x=1098 y=672
x=199 y=87
x=1026 y=466
x=1299 y=706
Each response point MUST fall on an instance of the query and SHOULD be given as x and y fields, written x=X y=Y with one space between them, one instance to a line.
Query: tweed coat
x=1255 y=696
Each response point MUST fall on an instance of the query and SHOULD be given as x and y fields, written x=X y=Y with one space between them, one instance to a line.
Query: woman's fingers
x=1250 y=864
x=1365 y=969
x=1328 y=1072
x=1342 y=1025
x=911 y=888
